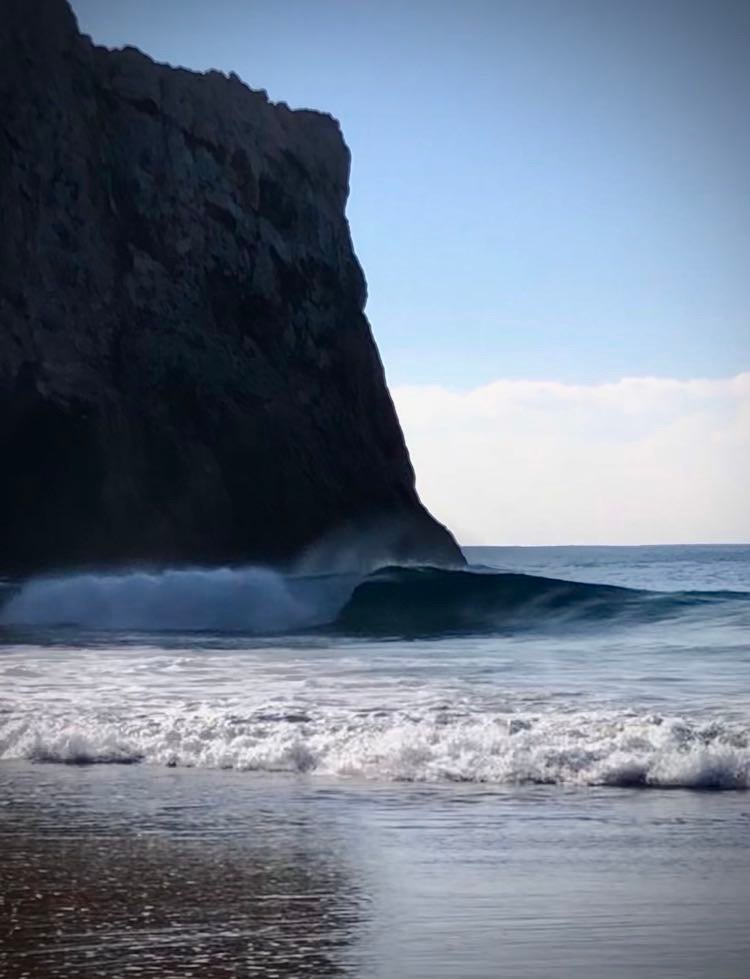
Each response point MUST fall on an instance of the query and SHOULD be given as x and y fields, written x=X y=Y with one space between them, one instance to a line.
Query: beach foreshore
x=139 y=871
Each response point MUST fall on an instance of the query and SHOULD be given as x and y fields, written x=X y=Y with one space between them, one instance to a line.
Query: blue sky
x=556 y=189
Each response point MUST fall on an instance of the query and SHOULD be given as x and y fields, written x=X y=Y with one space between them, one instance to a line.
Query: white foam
x=480 y=709
x=588 y=748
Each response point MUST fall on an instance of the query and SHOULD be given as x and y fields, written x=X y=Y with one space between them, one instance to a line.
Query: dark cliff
x=186 y=372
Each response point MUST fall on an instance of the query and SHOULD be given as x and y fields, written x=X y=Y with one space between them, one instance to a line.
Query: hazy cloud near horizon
x=640 y=460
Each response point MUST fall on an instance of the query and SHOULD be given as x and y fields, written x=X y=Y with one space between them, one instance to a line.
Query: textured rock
x=186 y=372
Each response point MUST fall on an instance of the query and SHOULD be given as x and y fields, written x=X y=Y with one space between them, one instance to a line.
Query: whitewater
x=623 y=667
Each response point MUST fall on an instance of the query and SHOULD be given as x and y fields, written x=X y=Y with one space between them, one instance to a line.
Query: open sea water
x=534 y=767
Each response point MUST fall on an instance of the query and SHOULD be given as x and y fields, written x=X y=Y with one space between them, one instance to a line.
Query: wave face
x=394 y=601
x=616 y=748
x=435 y=601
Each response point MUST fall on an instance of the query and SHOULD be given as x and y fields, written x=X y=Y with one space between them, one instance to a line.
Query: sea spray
x=253 y=600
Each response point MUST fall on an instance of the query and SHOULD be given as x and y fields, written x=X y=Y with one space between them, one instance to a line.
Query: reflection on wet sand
x=81 y=900
x=121 y=871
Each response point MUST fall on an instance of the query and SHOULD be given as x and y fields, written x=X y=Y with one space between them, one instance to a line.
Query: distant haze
x=547 y=197
x=640 y=461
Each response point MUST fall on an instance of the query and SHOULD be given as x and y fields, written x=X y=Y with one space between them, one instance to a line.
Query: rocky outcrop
x=186 y=372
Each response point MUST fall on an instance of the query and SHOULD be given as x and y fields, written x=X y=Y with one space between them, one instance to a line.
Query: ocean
x=534 y=767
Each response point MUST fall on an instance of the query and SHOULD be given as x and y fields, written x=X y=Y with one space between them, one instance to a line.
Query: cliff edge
x=186 y=371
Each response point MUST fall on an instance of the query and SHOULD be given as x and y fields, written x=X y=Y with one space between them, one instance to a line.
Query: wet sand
x=132 y=871
x=90 y=891
x=121 y=905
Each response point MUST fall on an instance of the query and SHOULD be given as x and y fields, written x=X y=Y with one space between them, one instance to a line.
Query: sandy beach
x=133 y=871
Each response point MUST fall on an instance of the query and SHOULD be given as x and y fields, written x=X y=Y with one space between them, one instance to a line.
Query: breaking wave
x=615 y=748
x=334 y=702
x=251 y=600
x=399 y=601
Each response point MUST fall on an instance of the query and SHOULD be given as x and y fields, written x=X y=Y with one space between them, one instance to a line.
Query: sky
x=543 y=192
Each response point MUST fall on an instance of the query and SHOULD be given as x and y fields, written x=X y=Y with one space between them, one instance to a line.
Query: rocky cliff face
x=186 y=372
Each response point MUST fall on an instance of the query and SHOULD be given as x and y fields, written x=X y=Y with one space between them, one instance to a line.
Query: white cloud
x=642 y=460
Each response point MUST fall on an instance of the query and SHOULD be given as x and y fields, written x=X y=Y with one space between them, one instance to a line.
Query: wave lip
x=594 y=748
